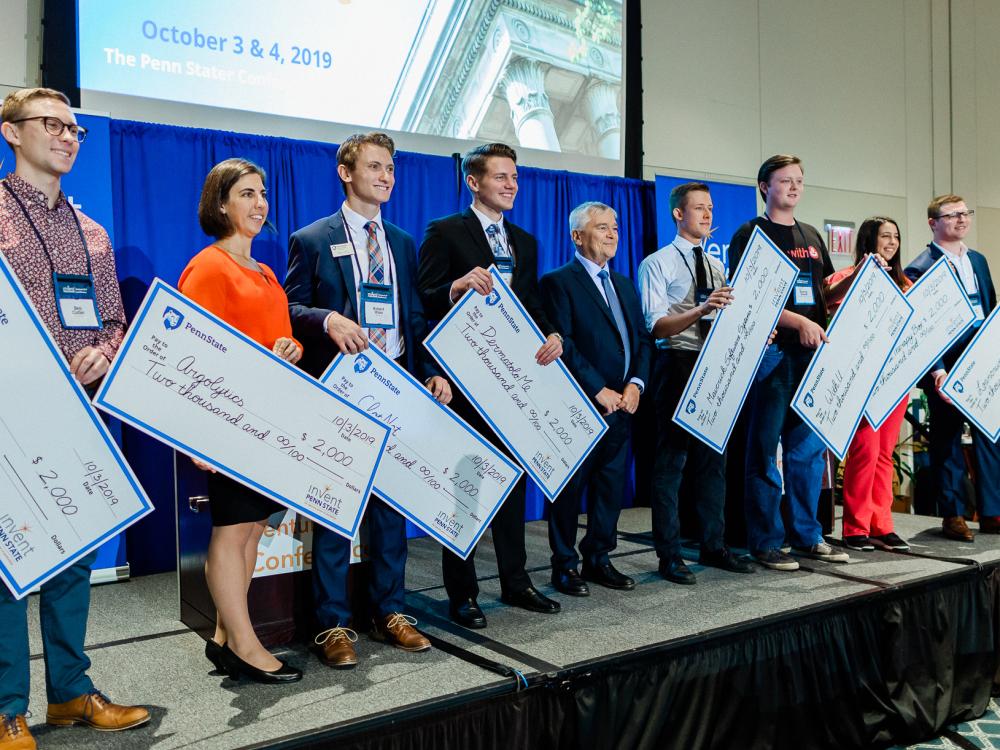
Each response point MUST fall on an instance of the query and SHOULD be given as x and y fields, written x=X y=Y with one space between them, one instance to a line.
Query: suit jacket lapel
x=471 y=222
x=337 y=234
x=400 y=273
x=583 y=278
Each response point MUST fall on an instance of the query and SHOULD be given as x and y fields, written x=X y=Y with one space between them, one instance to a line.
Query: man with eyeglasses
x=950 y=219
x=50 y=245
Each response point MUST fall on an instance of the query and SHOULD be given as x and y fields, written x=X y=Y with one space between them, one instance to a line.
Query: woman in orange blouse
x=227 y=281
x=868 y=468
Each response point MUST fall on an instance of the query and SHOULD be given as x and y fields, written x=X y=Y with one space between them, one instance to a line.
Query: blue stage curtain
x=157 y=174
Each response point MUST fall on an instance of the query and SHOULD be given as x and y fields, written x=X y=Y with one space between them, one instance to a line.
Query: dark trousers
x=63 y=606
x=332 y=560
x=676 y=451
x=602 y=475
x=507 y=528
x=948 y=461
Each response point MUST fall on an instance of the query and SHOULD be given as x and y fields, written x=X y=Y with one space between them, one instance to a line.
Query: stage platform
x=885 y=650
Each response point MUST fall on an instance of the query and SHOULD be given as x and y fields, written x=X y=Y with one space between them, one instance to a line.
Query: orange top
x=250 y=302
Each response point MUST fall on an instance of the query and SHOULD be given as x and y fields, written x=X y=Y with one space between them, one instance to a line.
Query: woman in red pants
x=868 y=468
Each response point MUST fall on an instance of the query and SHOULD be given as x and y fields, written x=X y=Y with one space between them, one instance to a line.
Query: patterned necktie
x=376 y=275
x=701 y=282
x=493 y=232
x=616 y=312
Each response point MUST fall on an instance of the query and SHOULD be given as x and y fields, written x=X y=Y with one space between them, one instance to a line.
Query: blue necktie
x=616 y=311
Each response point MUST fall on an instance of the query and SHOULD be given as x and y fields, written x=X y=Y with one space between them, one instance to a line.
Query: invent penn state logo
x=959 y=386
x=493 y=298
x=808 y=400
x=172 y=318
x=362 y=363
x=691 y=407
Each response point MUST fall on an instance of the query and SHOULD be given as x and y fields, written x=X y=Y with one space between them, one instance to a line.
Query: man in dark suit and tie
x=608 y=350
x=454 y=256
x=351 y=285
x=950 y=220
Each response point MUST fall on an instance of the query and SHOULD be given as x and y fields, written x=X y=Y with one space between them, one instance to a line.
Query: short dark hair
x=772 y=165
x=215 y=192
x=867 y=242
x=474 y=161
x=934 y=207
x=347 y=153
x=678 y=196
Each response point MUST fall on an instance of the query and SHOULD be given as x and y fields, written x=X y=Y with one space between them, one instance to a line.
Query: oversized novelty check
x=199 y=385
x=974 y=382
x=728 y=361
x=64 y=486
x=941 y=314
x=487 y=346
x=437 y=471
x=842 y=374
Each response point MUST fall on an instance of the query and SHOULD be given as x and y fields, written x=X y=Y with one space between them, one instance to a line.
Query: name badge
x=804 y=295
x=977 y=308
x=341 y=250
x=76 y=302
x=701 y=296
x=505 y=266
x=377 y=305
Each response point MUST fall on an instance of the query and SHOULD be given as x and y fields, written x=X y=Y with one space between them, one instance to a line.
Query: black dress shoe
x=236 y=668
x=569 y=582
x=607 y=576
x=726 y=560
x=213 y=652
x=467 y=614
x=532 y=600
x=676 y=571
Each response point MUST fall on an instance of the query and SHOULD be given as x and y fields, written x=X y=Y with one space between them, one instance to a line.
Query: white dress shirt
x=486 y=221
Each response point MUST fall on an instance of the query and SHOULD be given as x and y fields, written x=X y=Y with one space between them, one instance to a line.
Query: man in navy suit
x=608 y=350
x=350 y=285
x=950 y=219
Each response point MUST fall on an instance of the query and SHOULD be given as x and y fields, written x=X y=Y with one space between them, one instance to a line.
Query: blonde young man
x=47 y=242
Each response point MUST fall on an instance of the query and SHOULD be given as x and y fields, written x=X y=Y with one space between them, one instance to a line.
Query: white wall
x=20 y=43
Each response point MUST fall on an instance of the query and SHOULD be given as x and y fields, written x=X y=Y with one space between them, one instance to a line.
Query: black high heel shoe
x=236 y=667
x=213 y=652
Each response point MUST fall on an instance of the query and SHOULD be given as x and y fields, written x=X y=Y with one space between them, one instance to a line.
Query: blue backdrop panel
x=157 y=173
x=733 y=205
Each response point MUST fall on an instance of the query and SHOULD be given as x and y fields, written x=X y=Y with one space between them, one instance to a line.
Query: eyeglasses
x=958 y=215
x=55 y=126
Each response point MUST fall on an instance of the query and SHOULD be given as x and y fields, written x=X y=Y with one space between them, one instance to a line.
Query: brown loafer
x=14 y=734
x=397 y=630
x=989 y=525
x=337 y=648
x=96 y=711
x=954 y=527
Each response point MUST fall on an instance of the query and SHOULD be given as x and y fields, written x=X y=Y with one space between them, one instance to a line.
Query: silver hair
x=580 y=215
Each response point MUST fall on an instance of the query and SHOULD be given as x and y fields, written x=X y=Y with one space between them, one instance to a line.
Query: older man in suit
x=608 y=350
x=350 y=285
x=454 y=256
x=950 y=220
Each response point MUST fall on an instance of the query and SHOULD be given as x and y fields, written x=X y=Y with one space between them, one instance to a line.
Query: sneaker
x=859 y=542
x=892 y=541
x=823 y=551
x=775 y=559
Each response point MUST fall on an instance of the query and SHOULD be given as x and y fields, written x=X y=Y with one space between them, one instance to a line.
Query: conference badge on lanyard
x=377 y=305
x=976 y=300
x=76 y=302
x=804 y=295
x=505 y=267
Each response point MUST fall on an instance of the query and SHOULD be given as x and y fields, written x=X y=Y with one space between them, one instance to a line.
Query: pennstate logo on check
x=808 y=400
x=959 y=387
x=692 y=407
x=362 y=363
x=493 y=298
x=172 y=318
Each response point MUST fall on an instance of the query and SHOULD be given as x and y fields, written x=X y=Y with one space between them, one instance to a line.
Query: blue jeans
x=63 y=606
x=803 y=455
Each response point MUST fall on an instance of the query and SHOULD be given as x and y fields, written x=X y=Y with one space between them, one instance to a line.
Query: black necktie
x=701 y=283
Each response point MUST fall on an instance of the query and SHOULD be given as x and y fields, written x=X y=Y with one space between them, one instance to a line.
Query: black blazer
x=987 y=294
x=456 y=244
x=318 y=284
x=592 y=348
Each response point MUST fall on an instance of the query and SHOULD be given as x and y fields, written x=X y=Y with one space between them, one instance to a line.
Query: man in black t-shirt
x=800 y=331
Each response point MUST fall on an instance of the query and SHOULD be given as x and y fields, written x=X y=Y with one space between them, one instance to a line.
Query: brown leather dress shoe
x=96 y=711
x=397 y=630
x=337 y=648
x=954 y=527
x=14 y=734
x=989 y=525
